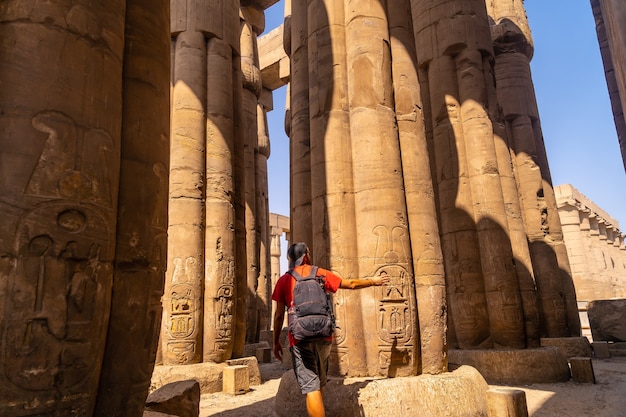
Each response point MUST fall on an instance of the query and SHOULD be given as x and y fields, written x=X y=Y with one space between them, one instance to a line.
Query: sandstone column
x=333 y=221
x=609 y=15
x=422 y=216
x=203 y=295
x=141 y=247
x=461 y=103
x=72 y=161
x=220 y=279
x=181 y=333
x=585 y=230
x=265 y=287
x=570 y=220
x=300 y=166
x=251 y=78
x=513 y=49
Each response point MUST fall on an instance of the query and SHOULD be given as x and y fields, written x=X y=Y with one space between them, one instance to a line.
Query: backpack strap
x=299 y=277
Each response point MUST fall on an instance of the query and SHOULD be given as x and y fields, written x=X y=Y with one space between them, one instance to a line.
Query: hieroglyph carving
x=74 y=161
x=54 y=334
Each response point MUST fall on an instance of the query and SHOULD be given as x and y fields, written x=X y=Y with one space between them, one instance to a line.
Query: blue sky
x=576 y=117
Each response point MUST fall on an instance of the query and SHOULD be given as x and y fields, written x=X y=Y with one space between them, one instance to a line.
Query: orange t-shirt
x=283 y=292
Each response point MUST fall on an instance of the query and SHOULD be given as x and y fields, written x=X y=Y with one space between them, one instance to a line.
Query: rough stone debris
x=135 y=224
x=180 y=398
x=608 y=320
x=423 y=395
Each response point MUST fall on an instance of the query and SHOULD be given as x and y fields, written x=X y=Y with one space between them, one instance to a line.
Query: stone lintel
x=273 y=61
x=261 y=4
x=279 y=221
x=566 y=194
x=267 y=99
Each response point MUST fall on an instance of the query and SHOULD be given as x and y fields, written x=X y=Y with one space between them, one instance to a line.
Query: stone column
x=594 y=232
x=585 y=230
x=201 y=297
x=609 y=16
x=570 y=220
x=300 y=166
x=513 y=50
x=83 y=207
x=265 y=287
x=422 y=216
x=141 y=247
x=481 y=273
x=219 y=236
x=250 y=94
x=181 y=333
x=382 y=236
x=332 y=202
x=60 y=156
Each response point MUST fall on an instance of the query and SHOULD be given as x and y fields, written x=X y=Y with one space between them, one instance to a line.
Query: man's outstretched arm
x=355 y=284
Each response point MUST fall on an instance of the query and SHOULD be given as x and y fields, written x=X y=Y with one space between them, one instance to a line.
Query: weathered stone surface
x=515 y=366
x=451 y=394
x=582 y=370
x=601 y=350
x=235 y=380
x=148 y=413
x=502 y=402
x=177 y=398
x=208 y=375
x=569 y=346
x=607 y=319
x=253 y=367
x=617 y=349
x=251 y=349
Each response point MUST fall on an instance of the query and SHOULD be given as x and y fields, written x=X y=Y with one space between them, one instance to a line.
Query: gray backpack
x=312 y=314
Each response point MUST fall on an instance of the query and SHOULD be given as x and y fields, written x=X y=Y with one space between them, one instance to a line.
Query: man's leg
x=315 y=404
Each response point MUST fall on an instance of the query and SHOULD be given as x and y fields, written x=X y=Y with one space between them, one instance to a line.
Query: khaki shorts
x=310 y=364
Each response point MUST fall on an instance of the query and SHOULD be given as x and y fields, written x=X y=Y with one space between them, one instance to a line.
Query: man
x=310 y=357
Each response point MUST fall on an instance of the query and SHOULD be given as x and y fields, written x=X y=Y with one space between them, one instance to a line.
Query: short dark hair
x=295 y=253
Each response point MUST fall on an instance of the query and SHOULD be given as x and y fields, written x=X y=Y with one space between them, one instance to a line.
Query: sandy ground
x=606 y=398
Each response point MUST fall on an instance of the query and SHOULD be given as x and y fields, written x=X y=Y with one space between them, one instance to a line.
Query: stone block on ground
x=569 y=346
x=582 y=370
x=236 y=380
x=251 y=362
x=451 y=394
x=506 y=402
x=601 y=350
x=607 y=319
x=264 y=354
x=180 y=398
x=250 y=348
x=208 y=375
x=515 y=366
x=267 y=336
x=617 y=349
